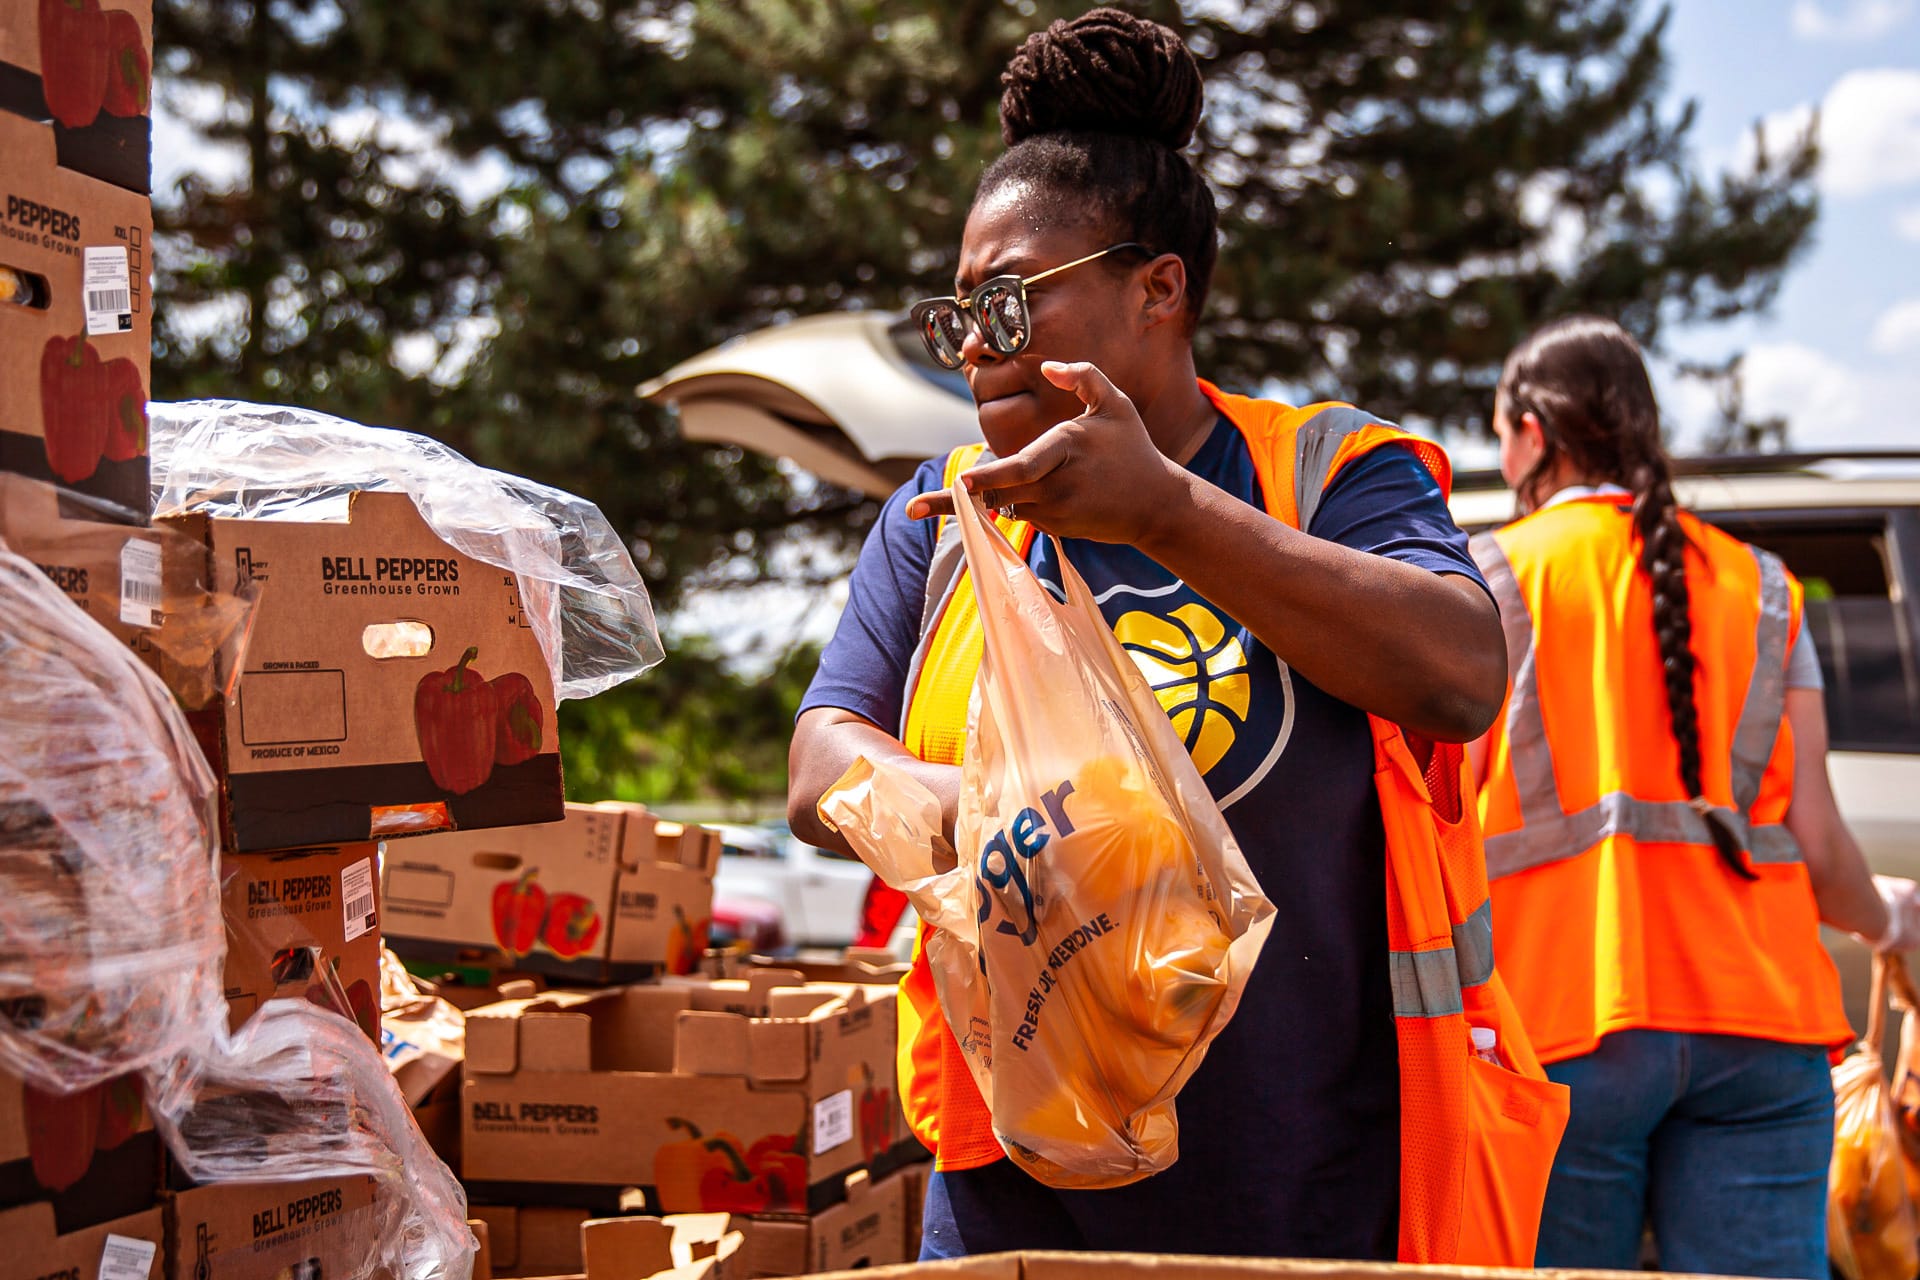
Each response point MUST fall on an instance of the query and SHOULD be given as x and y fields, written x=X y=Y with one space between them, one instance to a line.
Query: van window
x=1860 y=621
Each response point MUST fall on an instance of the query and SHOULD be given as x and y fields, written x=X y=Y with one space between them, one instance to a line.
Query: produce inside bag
x=1101 y=921
x=1873 y=1224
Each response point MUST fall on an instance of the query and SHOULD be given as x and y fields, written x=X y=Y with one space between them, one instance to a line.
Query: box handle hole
x=405 y=639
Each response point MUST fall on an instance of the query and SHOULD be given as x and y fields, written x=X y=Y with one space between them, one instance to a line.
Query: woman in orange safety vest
x=1662 y=838
x=1292 y=584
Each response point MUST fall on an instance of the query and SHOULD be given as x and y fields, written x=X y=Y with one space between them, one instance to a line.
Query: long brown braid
x=1585 y=380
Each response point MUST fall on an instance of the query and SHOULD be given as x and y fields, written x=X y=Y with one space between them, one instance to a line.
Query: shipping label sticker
x=126 y=1258
x=832 y=1121
x=140 y=584
x=106 y=284
x=356 y=892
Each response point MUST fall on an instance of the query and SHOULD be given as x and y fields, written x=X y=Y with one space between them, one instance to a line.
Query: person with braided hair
x=1295 y=590
x=1661 y=836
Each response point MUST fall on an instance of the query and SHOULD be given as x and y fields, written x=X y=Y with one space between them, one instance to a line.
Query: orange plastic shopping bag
x=1101 y=922
x=1873 y=1226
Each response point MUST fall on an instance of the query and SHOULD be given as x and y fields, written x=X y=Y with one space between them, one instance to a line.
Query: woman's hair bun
x=1106 y=71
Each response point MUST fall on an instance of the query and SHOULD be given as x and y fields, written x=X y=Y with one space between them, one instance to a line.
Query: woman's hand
x=1098 y=476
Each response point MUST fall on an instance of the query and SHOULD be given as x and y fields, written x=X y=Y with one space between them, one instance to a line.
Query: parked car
x=816 y=893
x=1848 y=526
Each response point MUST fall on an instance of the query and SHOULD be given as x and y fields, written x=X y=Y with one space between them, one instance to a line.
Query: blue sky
x=1839 y=354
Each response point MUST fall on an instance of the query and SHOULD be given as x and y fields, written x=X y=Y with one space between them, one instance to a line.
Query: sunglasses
x=998 y=308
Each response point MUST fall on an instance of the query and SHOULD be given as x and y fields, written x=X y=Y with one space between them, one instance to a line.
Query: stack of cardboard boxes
x=766 y=1094
x=381 y=721
x=348 y=681
x=79 y=1175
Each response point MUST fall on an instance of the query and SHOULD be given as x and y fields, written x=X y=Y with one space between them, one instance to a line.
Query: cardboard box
x=1043 y=1265
x=320 y=740
x=532 y=1240
x=97 y=109
x=532 y=897
x=305 y=922
x=664 y=899
x=609 y=894
x=870 y=966
x=247 y=1230
x=91 y=1157
x=38 y=1249
x=424 y=1039
x=74 y=348
x=691 y=1246
x=916 y=1176
x=578 y=1092
x=483 y=1256
x=867 y=1230
x=146 y=587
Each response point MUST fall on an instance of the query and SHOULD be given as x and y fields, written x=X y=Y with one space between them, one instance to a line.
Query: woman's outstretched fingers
x=928 y=505
x=1084 y=379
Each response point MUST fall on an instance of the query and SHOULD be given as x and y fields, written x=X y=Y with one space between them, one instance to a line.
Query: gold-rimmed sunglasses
x=998 y=308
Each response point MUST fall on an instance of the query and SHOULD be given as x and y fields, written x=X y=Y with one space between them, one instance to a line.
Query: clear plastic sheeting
x=112 y=950
x=228 y=458
x=111 y=944
x=300 y=1093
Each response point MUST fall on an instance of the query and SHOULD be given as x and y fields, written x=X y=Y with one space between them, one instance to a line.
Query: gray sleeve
x=1803 y=663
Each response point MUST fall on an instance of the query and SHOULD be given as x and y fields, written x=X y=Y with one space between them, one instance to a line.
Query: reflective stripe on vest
x=1549 y=834
x=1432 y=984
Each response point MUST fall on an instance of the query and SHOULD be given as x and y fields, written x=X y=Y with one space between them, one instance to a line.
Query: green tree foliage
x=1410 y=188
x=490 y=219
x=694 y=730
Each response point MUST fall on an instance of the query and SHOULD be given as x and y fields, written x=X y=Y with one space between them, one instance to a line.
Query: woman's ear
x=1533 y=433
x=1166 y=291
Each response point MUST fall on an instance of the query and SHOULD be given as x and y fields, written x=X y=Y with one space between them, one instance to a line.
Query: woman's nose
x=974 y=348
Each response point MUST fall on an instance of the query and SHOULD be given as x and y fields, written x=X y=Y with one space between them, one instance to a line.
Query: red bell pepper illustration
x=455 y=717
x=779 y=1159
x=876 y=1118
x=706 y=1174
x=123 y=1107
x=129 y=72
x=61 y=1129
x=365 y=1007
x=73 y=60
x=686 y=942
x=126 y=410
x=573 y=925
x=73 y=414
x=732 y=1187
x=519 y=734
x=519 y=909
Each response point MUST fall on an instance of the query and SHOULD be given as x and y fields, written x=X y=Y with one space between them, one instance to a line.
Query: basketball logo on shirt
x=1198 y=671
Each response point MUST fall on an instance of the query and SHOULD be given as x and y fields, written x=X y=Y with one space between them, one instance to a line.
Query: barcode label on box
x=125 y=1258
x=832 y=1121
x=356 y=891
x=107 y=283
x=139 y=584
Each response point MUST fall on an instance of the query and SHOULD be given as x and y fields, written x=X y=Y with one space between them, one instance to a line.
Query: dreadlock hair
x=1584 y=379
x=1095 y=112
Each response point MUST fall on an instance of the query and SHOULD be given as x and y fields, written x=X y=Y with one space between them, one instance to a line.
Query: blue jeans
x=1721 y=1143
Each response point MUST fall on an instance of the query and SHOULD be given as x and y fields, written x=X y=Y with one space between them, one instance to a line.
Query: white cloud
x=1897 y=331
x=1907 y=223
x=1869 y=132
x=1849 y=19
x=1828 y=404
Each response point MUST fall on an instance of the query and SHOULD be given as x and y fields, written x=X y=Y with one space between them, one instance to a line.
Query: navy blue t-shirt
x=1289 y=1131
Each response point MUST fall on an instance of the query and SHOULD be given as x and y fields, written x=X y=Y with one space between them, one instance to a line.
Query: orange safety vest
x=1476 y=1141
x=1613 y=908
